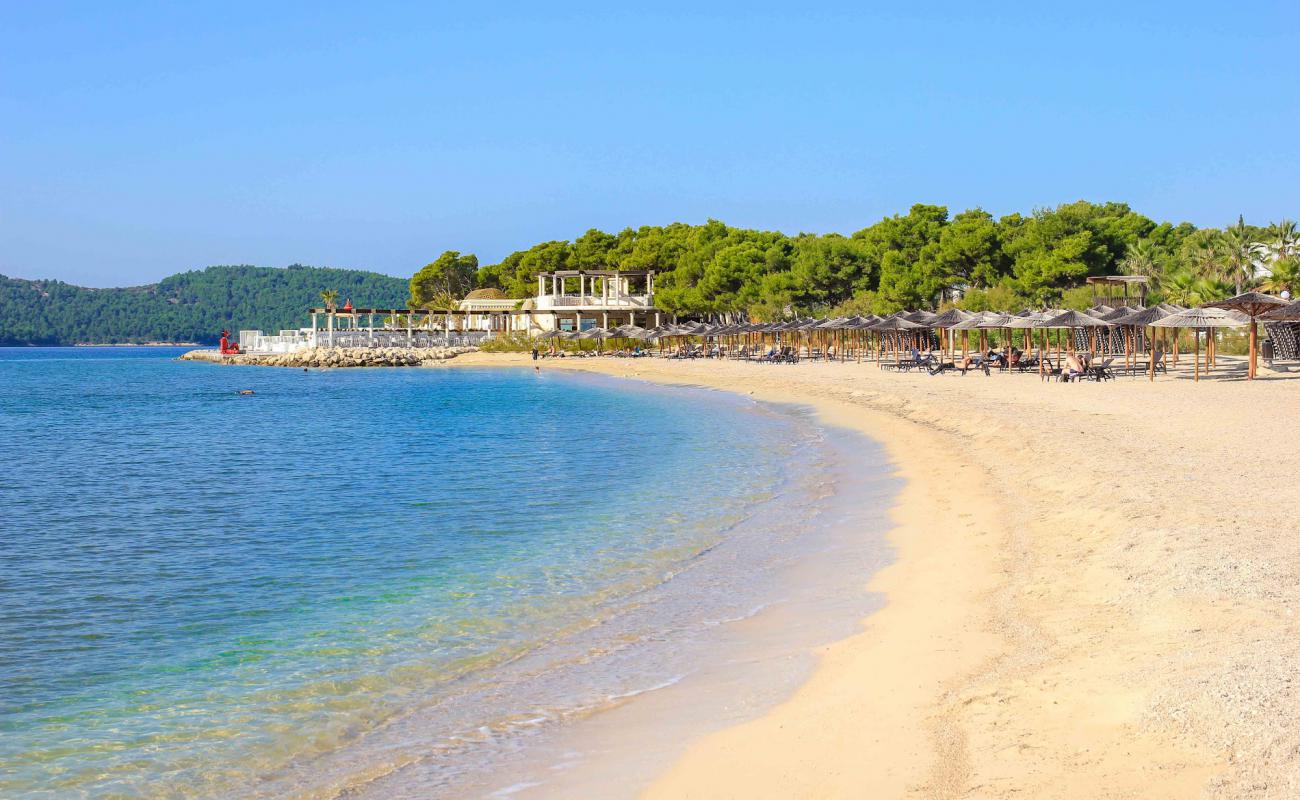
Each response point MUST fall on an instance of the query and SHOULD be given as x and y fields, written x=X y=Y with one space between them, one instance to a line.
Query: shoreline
x=1007 y=661
x=904 y=646
x=802 y=554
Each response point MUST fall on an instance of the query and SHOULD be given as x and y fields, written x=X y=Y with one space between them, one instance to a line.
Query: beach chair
x=1102 y=372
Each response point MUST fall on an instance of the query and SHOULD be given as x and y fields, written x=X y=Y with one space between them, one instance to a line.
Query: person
x=1074 y=367
x=535 y=353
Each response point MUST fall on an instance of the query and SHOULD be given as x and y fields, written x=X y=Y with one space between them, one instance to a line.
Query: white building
x=566 y=300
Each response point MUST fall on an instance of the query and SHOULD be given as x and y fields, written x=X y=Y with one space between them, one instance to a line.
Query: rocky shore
x=335 y=357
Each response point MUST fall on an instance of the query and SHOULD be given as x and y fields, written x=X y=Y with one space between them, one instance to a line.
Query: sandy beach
x=1092 y=597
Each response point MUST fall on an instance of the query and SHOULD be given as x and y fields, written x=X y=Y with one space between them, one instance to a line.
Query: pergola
x=355 y=314
x=1118 y=289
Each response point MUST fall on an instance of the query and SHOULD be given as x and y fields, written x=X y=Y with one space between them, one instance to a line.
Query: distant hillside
x=189 y=307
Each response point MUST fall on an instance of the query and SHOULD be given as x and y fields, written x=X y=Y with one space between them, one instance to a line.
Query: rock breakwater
x=335 y=357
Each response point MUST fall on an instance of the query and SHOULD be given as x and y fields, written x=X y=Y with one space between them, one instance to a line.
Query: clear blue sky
x=142 y=139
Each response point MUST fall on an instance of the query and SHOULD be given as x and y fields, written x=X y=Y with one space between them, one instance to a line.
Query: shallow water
x=353 y=577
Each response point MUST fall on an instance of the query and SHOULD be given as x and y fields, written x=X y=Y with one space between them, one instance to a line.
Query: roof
x=1117 y=280
x=486 y=294
x=573 y=273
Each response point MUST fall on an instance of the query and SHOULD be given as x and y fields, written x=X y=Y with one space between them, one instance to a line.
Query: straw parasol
x=1287 y=313
x=1025 y=323
x=895 y=324
x=945 y=321
x=949 y=318
x=1196 y=319
x=1141 y=318
x=1252 y=304
x=1073 y=319
x=1070 y=320
x=920 y=317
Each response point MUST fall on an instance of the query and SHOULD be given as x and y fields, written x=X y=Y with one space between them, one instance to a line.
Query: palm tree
x=1204 y=253
x=1283 y=242
x=1286 y=239
x=330 y=298
x=1238 y=254
x=445 y=302
x=1210 y=289
x=1285 y=276
x=1180 y=287
x=1140 y=259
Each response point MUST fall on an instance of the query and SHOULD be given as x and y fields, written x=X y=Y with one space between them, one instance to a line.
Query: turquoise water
x=204 y=594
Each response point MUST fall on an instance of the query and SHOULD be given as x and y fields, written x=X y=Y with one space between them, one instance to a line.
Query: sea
x=251 y=582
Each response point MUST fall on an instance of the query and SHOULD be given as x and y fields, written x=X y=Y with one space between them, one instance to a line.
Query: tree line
x=925 y=258
x=189 y=307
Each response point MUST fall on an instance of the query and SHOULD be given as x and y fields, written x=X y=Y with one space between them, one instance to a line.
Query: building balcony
x=571 y=302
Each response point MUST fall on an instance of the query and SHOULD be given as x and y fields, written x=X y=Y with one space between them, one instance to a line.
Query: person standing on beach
x=534 y=352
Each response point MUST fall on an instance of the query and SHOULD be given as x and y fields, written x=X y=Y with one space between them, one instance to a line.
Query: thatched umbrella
x=1198 y=319
x=1287 y=313
x=1070 y=320
x=1252 y=304
x=895 y=325
x=971 y=323
x=1026 y=323
x=991 y=320
x=1141 y=319
x=945 y=321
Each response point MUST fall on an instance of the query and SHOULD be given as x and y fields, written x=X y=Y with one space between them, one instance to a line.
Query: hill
x=189 y=307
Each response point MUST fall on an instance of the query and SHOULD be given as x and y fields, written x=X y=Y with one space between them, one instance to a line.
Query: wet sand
x=1093 y=595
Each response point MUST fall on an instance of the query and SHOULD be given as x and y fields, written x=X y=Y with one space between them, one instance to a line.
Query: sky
x=142 y=139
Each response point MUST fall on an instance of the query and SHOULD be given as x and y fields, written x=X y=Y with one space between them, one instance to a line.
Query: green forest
x=189 y=307
x=926 y=258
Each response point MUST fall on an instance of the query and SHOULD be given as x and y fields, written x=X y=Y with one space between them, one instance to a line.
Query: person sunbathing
x=1074 y=367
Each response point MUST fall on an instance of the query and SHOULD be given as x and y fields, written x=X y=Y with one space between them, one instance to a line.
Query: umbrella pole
x=1254 y=340
x=1040 y=352
x=1196 y=348
x=1152 y=349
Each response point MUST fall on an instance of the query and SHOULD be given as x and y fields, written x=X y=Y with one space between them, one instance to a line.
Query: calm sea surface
x=204 y=594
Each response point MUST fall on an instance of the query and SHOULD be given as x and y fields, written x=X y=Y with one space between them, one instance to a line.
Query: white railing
x=291 y=341
x=285 y=342
x=552 y=301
